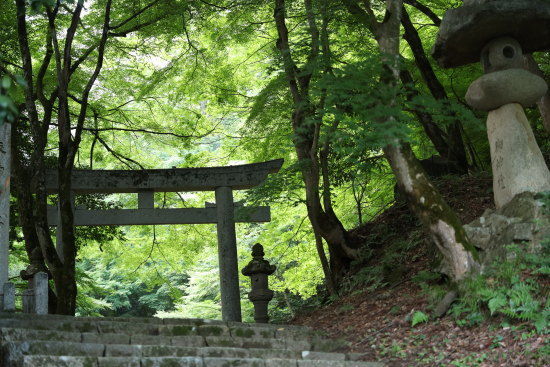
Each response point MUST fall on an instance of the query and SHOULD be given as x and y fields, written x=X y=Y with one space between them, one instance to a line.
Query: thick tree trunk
x=323 y=220
x=327 y=271
x=31 y=185
x=424 y=200
x=67 y=289
x=25 y=202
x=437 y=217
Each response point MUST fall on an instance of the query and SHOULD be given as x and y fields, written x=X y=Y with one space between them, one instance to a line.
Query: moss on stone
x=211 y=330
x=243 y=332
x=182 y=330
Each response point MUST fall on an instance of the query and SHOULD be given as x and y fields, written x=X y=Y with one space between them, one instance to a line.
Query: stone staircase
x=50 y=340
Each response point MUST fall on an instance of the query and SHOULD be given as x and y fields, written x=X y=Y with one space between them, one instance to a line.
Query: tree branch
x=119 y=156
x=135 y=15
x=26 y=61
x=7 y=62
x=314 y=33
x=82 y=58
x=365 y=16
x=214 y=5
x=91 y=81
x=137 y=27
x=283 y=45
x=420 y=58
x=47 y=56
x=424 y=9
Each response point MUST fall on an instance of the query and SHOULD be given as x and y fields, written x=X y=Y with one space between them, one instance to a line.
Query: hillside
x=376 y=317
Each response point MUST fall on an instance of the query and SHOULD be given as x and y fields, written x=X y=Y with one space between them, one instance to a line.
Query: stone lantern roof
x=467 y=29
x=258 y=265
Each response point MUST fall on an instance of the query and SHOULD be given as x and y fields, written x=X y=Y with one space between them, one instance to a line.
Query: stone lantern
x=498 y=33
x=258 y=270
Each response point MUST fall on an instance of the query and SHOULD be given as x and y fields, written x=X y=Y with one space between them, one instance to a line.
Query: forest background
x=131 y=84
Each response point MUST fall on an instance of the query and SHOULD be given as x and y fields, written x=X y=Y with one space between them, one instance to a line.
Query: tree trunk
x=25 y=202
x=327 y=271
x=66 y=285
x=33 y=193
x=323 y=220
x=454 y=150
x=438 y=219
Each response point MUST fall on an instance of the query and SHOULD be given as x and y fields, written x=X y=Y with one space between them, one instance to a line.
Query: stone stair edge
x=64 y=331
x=71 y=361
x=91 y=345
x=14 y=351
x=93 y=325
x=8 y=334
x=178 y=343
x=151 y=320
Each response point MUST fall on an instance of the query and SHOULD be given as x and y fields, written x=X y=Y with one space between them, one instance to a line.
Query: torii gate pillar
x=227 y=254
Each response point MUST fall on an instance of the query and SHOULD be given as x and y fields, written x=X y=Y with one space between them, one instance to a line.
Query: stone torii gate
x=224 y=213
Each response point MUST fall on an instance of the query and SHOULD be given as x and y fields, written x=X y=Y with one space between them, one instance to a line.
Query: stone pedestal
x=517 y=162
x=260 y=297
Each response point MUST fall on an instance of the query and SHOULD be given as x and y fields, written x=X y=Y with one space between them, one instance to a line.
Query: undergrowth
x=512 y=290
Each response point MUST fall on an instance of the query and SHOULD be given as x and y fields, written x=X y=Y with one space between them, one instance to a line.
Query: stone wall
x=525 y=220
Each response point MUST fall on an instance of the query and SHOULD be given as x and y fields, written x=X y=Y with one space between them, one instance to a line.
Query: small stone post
x=40 y=292
x=258 y=270
x=8 y=304
x=27 y=299
x=498 y=33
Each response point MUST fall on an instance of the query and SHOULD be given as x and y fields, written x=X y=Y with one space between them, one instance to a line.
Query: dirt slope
x=376 y=320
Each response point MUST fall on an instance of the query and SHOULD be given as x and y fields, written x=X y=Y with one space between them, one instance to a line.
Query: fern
x=419 y=317
x=508 y=288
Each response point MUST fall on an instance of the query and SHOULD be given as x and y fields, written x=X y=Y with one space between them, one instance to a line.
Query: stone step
x=18 y=334
x=71 y=361
x=168 y=328
x=160 y=321
x=53 y=340
x=14 y=353
x=14 y=349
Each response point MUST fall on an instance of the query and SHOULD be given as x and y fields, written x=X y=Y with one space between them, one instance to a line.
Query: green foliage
x=108 y=293
x=446 y=112
x=419 y=317
x=359 y=103
x=510 y=289
x=470 y=360
x=202 y=86
x=8 y=109
x=36 y=5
